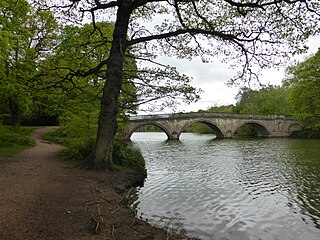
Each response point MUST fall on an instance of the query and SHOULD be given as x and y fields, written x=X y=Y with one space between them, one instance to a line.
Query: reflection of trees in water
x=305 y=156
x=294 y=172
x=259 y=169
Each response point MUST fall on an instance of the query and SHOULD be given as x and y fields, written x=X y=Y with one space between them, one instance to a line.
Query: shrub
x=77 y=149
x=15 y=136
x=128 y=157
x=306 y=133
x=57 y=136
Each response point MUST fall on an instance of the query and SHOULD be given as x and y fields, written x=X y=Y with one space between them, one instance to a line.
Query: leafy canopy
x=248 y=34
x=304 y=84
x=26 y=37
x=267 y=100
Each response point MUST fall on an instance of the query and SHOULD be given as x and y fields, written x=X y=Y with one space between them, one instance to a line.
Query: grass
x=14 y=140
x=12 y=150
x=77 y=149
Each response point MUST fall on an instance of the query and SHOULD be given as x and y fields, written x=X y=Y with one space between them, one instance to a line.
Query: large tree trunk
x=15 y=112
x=102 y=153
x=13 y=106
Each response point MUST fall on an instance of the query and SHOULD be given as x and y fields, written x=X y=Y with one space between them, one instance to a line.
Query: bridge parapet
x=207 y=115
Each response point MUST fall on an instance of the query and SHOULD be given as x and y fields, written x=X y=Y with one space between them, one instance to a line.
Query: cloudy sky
x=212 y=78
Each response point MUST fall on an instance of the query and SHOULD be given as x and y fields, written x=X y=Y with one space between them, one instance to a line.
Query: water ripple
x=232 y=189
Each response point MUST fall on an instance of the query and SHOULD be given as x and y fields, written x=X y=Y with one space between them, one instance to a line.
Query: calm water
x=231 y=189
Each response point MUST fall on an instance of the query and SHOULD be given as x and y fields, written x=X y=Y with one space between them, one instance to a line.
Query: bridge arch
x=260 y=128
x=294 y=127
x=163 y=128
x=215 y=127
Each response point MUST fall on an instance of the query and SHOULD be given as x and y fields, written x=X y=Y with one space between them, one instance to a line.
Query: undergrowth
x=78 y=148
x=13 y=140
x=306 y=133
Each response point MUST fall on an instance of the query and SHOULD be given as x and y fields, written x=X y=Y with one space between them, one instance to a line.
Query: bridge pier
x=173 y=136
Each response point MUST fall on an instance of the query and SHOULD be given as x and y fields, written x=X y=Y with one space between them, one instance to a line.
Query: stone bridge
x=223 y=124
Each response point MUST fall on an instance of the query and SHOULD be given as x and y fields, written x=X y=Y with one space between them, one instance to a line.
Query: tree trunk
x=107 y=125
x=13 y=106
x=15 y=112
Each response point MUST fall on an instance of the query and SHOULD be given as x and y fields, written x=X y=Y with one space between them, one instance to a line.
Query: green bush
x=78 y=135
x=58 y=136
x=13 y=140
x=77 y=149
x=128 y=157
x=15 y=136
x=199 y=128
x=306 y=133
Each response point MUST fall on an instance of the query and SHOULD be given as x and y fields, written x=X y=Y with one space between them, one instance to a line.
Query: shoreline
x=43 y=197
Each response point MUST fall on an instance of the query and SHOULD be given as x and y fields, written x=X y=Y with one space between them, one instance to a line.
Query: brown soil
x=42 y=197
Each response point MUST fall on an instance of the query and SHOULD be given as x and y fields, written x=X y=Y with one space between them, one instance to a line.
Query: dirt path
x=43 y=198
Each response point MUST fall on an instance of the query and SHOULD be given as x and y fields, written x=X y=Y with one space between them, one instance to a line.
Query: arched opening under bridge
x=150 y=131
x=294 y=128
x=203 y=127
x=251 y=129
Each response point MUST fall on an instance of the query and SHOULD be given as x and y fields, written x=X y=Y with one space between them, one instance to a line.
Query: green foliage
x=81 y=121
x=198 y=127
x=77 y=134
x=26 y=36
x=13 y=140
x=268 y=100
x=15 y=57
x=306 y=133
x=222 y=109
x=74 y=75
x=79 y=145
x=58 y=136
x=77 y=149
x=246 y=130
x=73 y=78
x=304 y=85
x=19 y=136
x=125 y=156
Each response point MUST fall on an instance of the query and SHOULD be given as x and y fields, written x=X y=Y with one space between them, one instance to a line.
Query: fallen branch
x=94 y=202
x=96 y=229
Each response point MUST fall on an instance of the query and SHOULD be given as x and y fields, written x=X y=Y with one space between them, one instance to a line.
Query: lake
x=231 y=189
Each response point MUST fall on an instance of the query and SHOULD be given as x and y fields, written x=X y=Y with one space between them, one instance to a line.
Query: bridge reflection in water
x=224 y=125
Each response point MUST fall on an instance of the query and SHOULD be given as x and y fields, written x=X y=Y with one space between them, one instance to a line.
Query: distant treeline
x=299 y=96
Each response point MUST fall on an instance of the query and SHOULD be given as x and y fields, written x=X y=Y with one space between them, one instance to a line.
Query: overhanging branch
x=185 y=31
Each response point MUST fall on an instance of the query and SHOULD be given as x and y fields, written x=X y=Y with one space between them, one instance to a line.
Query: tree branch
x=185 y=31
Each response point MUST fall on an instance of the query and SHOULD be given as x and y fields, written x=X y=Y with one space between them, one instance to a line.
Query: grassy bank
x=77 y=148
x=14 y=140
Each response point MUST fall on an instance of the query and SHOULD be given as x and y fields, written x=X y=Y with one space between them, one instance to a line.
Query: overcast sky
x=212 y=78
